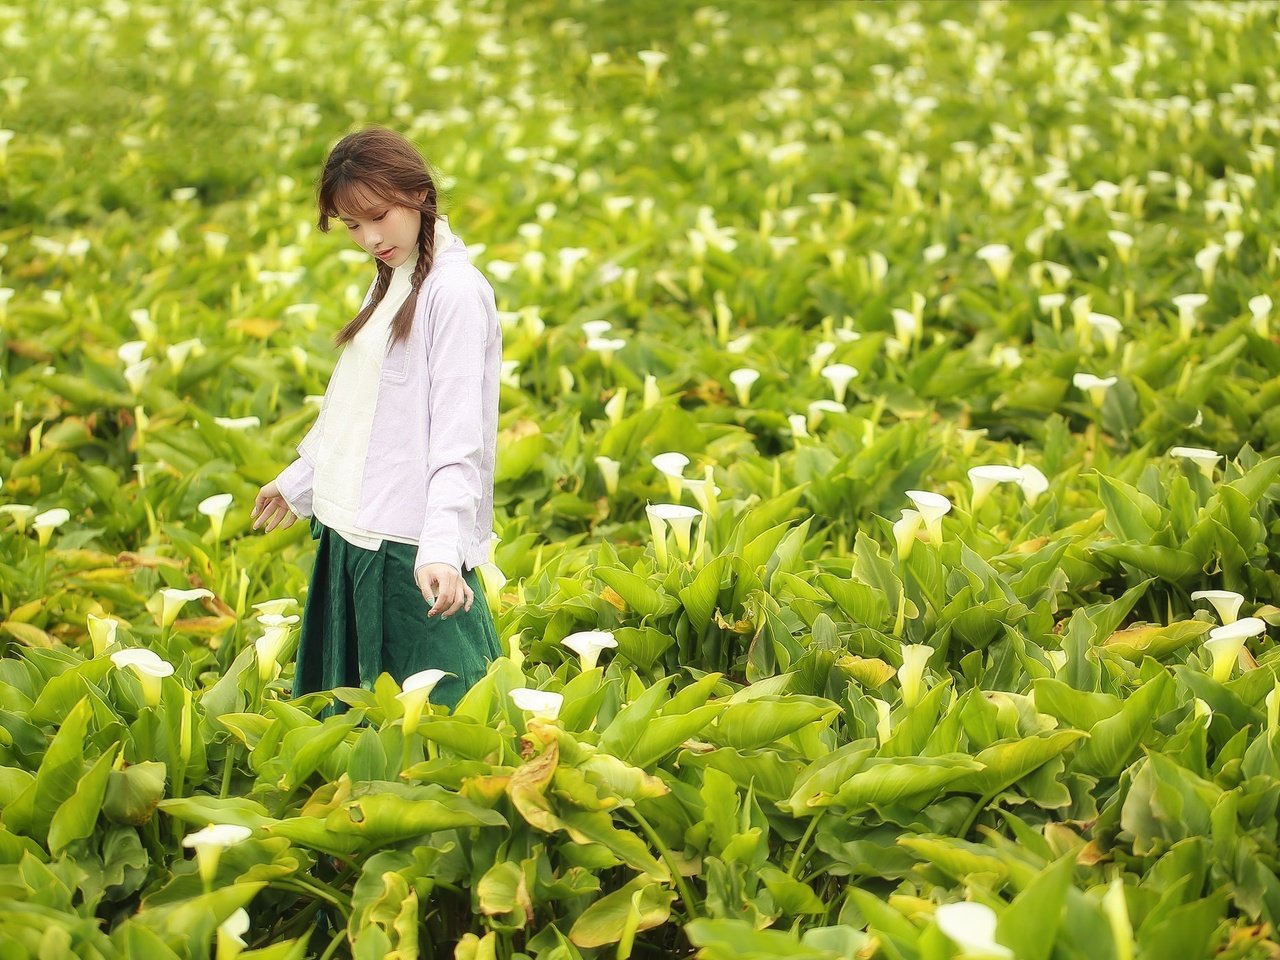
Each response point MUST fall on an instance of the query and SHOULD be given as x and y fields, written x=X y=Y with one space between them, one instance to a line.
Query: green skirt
x=365 y=615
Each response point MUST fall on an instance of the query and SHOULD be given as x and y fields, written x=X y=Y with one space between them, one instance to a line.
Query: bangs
x=352 y=198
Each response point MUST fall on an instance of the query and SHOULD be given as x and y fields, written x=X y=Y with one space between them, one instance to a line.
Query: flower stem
x=690 y=904
x=804 y=841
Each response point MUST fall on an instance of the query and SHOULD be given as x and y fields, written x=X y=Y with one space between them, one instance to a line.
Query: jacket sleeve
x=459 y=321
x=295 y=481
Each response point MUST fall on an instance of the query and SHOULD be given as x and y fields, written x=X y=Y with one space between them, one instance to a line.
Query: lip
x=382 y=255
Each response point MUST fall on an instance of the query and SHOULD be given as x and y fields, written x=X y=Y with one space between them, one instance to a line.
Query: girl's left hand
x=442 y=585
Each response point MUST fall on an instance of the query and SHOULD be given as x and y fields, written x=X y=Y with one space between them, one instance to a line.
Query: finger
x=455 y=603
x=447 y=597
x=276 y=517
x=470 y=597
x=290 y=518
x=262 y=510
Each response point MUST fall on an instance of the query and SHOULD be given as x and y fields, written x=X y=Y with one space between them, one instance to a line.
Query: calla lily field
x=886 y=530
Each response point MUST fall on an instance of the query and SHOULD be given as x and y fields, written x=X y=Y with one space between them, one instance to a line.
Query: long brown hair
x=379 y=164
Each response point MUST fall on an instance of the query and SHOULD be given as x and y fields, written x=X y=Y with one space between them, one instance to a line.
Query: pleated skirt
x=364 y=615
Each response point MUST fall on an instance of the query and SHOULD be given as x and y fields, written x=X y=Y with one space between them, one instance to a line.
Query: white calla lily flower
x=231 y=935
x=1188 y=304
x=588 y=645
x=1260 y=314
x=839 y=375
x=986 y=477
x=1033 y=483
x=933 y=507
x=999 y=260
x=1206 y=460
x=1226 y=642
x=102 y=633
x=1227 y=603
x=819 y=408
x=274 y=607
x=45 y=523
x=209 y=844
x=415 y=693
x=540 y=703
x=671 y=465
x=1096 y=387
x=681 y=520
x=742 y=379
x=972 y=927
x=609 y=468
x=905 y=529
x=915 y=656
x=215 y=508
x=1109 y=327
x=268 y=648
x=149 y=667
x=22 y=514
x=174 y=599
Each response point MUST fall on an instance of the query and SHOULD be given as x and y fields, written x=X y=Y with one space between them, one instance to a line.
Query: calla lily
x=588 y=644
x=653 y=61
x=1117 y=911
x=985 y=478
x=608 y=468
x=1226 y=642
x=177 y=353
x=969 y=440
x=905 y=530
x=839 y=375
x=21 y=513
x=617 y=406
x=606 y=347
x=415 y=692
x=215 y=508
x=45 y=523
x=742 y=380
x=538 y=702
x=209 y=844
x=174 y=600
x=135 y=374
x=884 y=721
x=681 y=519
x=999 y=260
x=652 y=393
x=1109 y=327
x=915 y=656
x=1096 y=387
x=672 y=465
x=1260 y=313
x=275 y=607
x=595 y=329
x=1123 y=243
x=704 y=493
x=267 y=649
x=933 y=507
x=148 y=666
x=819 y=408
x=906 y=327
x=1225 y=602
x=1207 y=262
x=1188 y=304
x=799 y=425
x=231 y=935
x=1033 y=483
x=1202 y=458
x=972 y=927
x=238 y=423
x=131 y=351
x=102 y=632
x=822 y=351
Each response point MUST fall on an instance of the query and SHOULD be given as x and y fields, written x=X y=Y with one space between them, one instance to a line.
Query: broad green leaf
x=1113 y=742
x=640 y=905
x=78 y=814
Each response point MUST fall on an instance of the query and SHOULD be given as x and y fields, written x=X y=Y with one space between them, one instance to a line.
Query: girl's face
x=386 y=229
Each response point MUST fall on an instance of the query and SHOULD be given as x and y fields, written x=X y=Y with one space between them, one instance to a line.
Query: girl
x=396 y=474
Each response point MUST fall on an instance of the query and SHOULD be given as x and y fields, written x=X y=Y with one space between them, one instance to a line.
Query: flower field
x=886 y=501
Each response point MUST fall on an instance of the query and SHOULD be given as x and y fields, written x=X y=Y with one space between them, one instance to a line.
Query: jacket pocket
x=395 y=364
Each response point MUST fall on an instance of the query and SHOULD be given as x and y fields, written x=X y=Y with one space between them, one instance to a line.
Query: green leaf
x=77 y=815
x=1131 y=514
x=1155 y=640
x=760 y=722
x=1029 y=925
x=1114 y=742
x=640 y=905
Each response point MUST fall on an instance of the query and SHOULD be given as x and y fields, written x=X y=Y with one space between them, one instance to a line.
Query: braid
x=380 y=284
x=403 y=321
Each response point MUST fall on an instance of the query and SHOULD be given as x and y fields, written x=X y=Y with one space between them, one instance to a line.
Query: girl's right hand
x=270 y=508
